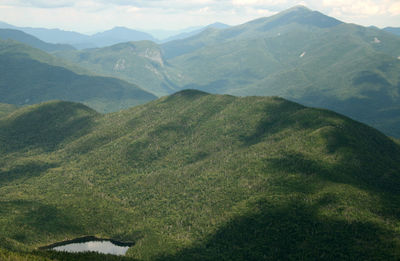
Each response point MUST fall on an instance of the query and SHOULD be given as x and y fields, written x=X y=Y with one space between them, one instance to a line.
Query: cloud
x=39 y=3
x=258 y=2
x=394 y=9
x=358 y=7
x=95 y=15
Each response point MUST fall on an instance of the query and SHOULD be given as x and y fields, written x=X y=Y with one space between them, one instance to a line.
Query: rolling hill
x=194 y=176
x=28 y=76
x=30 y=40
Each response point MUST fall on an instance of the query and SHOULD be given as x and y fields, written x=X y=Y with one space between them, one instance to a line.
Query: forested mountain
x=303 y=56
x=194 y=176
x=298 y=54
x=29 y=75
x=141 y=63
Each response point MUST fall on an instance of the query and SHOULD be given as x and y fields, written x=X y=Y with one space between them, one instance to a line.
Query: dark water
x=104 y=247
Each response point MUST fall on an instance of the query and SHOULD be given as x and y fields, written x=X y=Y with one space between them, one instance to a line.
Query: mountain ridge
x=307 y=63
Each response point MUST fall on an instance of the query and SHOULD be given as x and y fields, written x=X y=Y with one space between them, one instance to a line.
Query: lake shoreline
x=86 y=239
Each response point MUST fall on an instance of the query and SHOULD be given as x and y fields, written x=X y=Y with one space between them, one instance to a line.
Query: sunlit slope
x=195 y=176
x=28 y=76
x=303 y=56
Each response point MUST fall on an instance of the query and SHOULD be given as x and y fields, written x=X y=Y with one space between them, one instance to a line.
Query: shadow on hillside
x=276 y=118
x=293 y=231
x=295 y=228
x=25 y=171
x=46 y=126
x=37 y=220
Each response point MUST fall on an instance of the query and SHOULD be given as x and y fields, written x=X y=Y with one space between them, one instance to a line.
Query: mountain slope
x=258 y=28
x=22 y=37
x=196 y=31
x=30 y=76
x=141 y=63
x=300 y=55
x=194 y=176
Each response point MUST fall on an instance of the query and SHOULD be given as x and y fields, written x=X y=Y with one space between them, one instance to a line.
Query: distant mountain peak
x=121 y=28
x=218 y=25
x=301 y=15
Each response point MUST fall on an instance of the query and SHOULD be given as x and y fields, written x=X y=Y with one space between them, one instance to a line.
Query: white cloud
x=394 y=9
x=39 y=3
x=259 y=2
x=265 y=12
x=93 y=15
x=358 y=7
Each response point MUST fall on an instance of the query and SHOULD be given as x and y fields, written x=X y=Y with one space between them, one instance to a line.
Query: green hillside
x=194 y=176
x=141 y=63
x=29 y=76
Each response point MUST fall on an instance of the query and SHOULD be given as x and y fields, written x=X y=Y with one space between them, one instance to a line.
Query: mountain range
x=141 y=63
x=195 y=176
x=113 y=36
x=298 y=54
x=29 y=75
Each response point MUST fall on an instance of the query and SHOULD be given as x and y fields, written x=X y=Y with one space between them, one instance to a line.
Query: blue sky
x=89 y=16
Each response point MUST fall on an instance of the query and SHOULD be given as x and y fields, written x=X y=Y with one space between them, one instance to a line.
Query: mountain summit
x=302 y=15
x=302 y=55
x=118 y=35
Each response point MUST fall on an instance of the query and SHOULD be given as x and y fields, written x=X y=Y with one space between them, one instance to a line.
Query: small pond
x=85 y=244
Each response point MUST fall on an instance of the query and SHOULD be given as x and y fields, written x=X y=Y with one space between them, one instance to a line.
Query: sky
x=90 y=16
